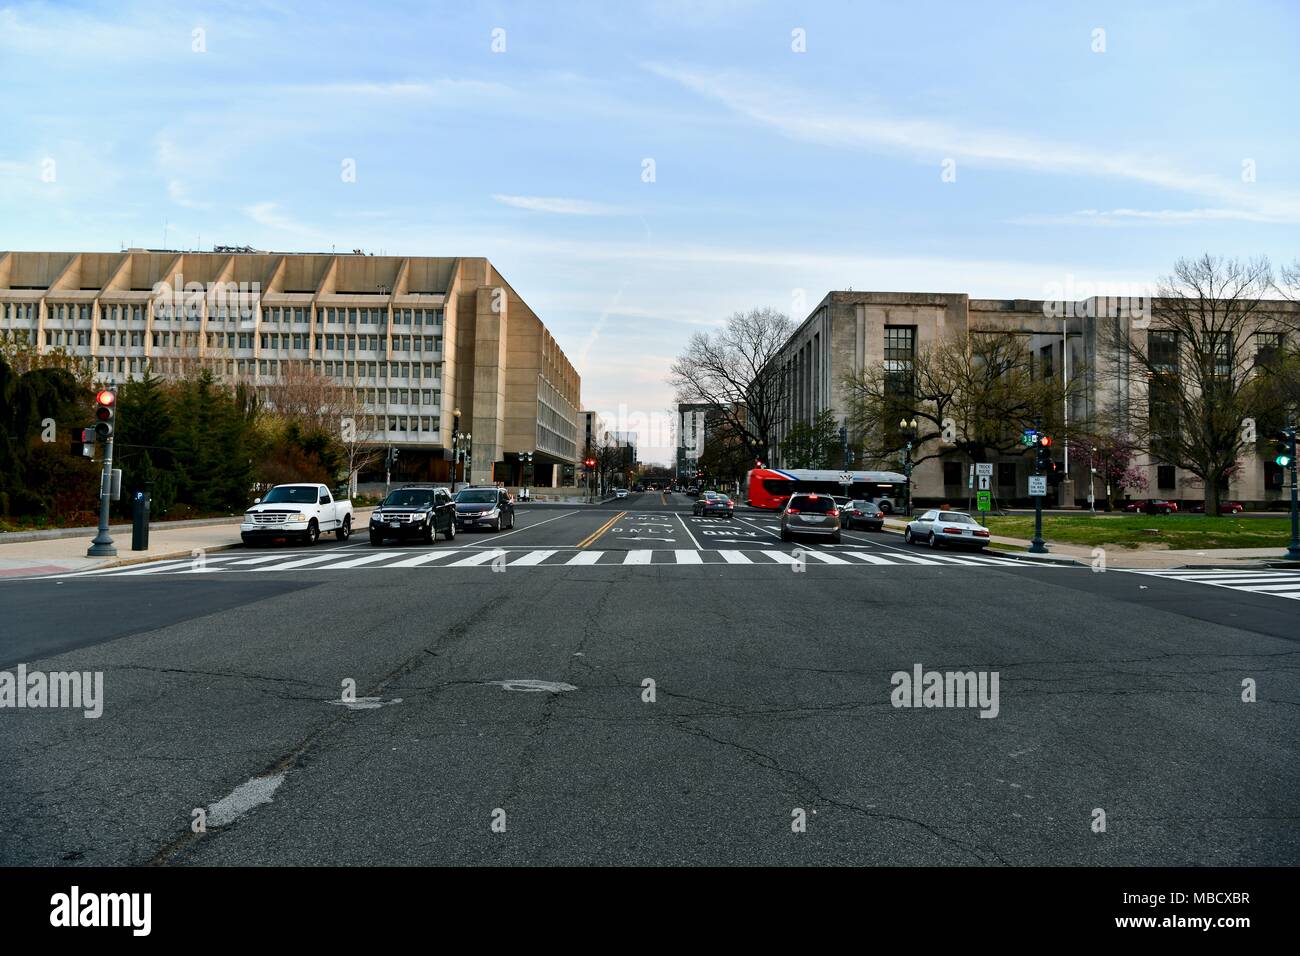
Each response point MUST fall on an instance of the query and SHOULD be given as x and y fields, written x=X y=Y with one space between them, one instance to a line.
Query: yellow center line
x=601 y=530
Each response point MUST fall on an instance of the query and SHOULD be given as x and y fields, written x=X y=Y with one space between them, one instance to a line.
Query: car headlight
x=299 y=517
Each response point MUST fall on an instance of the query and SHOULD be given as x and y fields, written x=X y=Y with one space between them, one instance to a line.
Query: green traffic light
x=1282 y=461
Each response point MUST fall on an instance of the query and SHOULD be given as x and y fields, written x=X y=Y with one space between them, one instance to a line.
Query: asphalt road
x=771 y=666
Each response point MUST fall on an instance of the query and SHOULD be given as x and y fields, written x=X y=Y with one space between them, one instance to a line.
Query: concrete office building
x=851 y=330
x=418 y=337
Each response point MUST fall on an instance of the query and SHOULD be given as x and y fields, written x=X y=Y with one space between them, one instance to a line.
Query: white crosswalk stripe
x=1285 y=584
x=342 y=560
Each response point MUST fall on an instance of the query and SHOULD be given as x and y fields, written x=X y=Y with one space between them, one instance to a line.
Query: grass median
x=1175 y=532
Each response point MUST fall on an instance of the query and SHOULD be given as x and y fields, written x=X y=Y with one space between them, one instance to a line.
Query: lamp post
x=455 y=447
x=908 y=428
x=526 y=468
x=469 y=457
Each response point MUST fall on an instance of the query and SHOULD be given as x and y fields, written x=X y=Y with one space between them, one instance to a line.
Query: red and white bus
x=771 y=488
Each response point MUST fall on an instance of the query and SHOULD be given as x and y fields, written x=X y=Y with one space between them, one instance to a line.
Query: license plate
x=817 y=520
x=394 y=524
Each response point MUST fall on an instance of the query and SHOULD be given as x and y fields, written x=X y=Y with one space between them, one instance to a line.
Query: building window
x=1162 y=347
x=1268 y=347
x=951 y=474
x=1165 y=477
x=900 y=354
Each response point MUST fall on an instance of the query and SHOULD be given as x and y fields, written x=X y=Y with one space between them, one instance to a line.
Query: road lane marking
x=483 y=557
x=585 y=557
x=868 y=558
x=685 y=556
x=590 y=539
x=735 y=557
x=300 y=563
x=825 y=558
x=642 y=556
x=420 y=559
x=532 y=557
x=364 y=559
x=688 y=531
x=780 y=557
x=529 y=527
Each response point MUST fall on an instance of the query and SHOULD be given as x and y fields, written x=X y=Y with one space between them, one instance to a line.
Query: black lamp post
x=455 y=447
x=908 y=428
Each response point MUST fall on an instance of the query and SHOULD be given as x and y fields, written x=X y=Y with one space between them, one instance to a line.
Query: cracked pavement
x=772 y=693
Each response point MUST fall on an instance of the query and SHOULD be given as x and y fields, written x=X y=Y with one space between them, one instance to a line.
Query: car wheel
x=376 y=539
x=933 y=541
x=345 y=530
x=313 y=531
x=836 y=539
x=886 y=507
x=907 y=536
x=450 y=533
x=430 y=532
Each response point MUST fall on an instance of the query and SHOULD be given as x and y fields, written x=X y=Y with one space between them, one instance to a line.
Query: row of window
x=68 y=311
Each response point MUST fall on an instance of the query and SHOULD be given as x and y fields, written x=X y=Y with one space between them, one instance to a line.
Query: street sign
x=984 y=482
x=1030 y=437
x=1038 y=486
x=984 y=501
x=846 y=478
x=984 y=469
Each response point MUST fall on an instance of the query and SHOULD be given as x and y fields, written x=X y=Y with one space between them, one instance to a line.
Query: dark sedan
x=484 y=508
x=862 y=514
x=712 y=503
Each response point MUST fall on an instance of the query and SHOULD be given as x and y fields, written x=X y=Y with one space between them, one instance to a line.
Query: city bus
x=771 y=488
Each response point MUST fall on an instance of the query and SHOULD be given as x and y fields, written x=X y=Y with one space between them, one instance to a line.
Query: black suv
x=484 y=508
x=414 y=511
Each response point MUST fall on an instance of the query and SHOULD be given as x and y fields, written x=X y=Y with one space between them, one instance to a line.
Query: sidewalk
x=1138 y=558
x=57 y=552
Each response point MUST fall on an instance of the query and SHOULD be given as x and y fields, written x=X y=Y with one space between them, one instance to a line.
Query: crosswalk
x=501 y=559
x=1285 y=584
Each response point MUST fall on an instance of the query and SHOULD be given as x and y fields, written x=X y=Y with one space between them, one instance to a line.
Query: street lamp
x=455 y=446
x=526 y=467
x=469 y=457
x=908 y=428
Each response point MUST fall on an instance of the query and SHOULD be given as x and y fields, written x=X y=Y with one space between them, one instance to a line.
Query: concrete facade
x=417 y=337
x=847 y=331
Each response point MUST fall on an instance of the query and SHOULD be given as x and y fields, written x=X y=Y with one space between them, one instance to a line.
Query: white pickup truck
x=302 y=511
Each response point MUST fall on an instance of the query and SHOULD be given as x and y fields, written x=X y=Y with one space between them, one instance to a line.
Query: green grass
x=1176 y=532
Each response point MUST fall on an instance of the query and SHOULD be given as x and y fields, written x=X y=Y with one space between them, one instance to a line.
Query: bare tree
x=1199 y=360
x=320 y=404
x=973 y=392
x=730 y=370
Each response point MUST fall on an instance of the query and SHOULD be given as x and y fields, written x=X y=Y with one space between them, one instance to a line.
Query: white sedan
x=939 y=528
x=621 y=493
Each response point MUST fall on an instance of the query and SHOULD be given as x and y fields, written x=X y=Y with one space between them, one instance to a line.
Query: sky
x=640 y=171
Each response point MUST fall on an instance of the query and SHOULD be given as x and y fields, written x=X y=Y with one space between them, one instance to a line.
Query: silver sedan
x=939 y=528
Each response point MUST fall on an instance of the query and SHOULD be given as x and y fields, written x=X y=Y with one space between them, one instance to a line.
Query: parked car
x=939 y=528
x=414 y=511
x=862 y=514
x=484 y=508
x=1225 y=508
x=620 y=493
x=810 y=514
x=1151 y=506
x=713 y=503
x=299 y=511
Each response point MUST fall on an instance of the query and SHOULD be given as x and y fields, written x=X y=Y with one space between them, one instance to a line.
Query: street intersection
x=628 y=683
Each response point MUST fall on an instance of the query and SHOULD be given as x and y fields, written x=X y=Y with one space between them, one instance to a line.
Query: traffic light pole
x=1293 y=549
x=102 y=546
x=1038 y=546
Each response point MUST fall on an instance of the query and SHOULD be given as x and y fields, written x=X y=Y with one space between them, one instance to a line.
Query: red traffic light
x=1045 y=441
x=105 y=397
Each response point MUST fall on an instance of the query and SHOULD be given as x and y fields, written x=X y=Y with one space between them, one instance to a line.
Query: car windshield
x=291 y=494
x=482 y=497
x=413 y=498
x=819 y=504
x=860 y=504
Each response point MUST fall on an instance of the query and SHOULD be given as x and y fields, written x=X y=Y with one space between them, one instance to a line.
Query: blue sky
x=778 y=175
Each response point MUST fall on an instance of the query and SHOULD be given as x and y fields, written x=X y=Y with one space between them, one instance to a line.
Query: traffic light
x=83 y=442
x=1284 y=448
x=590 y=463
x=105 y=399
x=1043 y=453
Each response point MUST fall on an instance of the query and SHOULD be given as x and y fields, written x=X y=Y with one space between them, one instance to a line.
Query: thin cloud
x=797 y=117
x=1155 y=217
x=559 y=205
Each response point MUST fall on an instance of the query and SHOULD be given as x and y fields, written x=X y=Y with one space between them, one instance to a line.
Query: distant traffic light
x=105 y=399
x=590 y=463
